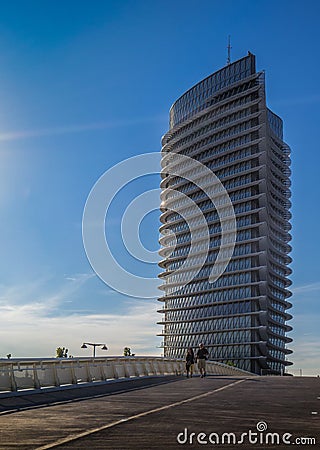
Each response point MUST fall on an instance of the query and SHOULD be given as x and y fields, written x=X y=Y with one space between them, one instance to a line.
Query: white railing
x=21 y=374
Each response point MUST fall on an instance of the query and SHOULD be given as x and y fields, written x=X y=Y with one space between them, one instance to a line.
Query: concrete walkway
x=153 y=417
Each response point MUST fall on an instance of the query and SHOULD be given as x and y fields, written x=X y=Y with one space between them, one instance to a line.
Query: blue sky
x=84 y=85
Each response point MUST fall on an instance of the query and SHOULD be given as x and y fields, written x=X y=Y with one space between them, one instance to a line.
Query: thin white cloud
x=80 y=278
x=32 y=334
x=35 y=322
x=36 y=296
x=311 y=287
x=305 y=334
x=75 y=128
x=306 y=355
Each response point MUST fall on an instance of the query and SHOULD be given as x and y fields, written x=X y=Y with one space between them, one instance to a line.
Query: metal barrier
x=21 y=374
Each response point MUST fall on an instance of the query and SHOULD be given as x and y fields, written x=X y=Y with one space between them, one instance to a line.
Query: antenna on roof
x=229 y=51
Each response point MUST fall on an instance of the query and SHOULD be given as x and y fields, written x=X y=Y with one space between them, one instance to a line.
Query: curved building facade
x=223 y=123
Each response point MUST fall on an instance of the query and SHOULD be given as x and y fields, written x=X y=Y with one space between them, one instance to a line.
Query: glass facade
x=223 y=123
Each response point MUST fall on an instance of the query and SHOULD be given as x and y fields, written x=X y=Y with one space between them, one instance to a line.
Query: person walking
x=202 y=356
x=189 y=362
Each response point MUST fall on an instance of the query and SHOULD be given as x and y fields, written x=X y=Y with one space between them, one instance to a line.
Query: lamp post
x=103 y=347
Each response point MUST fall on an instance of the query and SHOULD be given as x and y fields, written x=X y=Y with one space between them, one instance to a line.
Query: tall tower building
x=223 y=123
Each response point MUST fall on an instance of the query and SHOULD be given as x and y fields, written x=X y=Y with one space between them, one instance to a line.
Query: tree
x=127 y=351
x=230 y=363
x=61 y=352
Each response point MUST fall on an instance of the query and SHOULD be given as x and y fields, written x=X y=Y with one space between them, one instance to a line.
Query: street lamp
x=103 y=347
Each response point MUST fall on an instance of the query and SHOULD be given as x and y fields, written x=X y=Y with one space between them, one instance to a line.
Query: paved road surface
x=152 y=417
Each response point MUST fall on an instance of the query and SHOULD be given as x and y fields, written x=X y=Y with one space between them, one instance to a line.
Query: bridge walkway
x=152 y=416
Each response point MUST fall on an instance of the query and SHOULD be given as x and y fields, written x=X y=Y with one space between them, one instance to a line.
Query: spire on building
x=229 y=51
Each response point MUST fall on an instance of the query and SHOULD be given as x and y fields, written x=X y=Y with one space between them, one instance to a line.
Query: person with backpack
x=202 y=356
